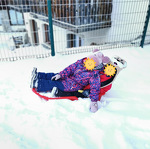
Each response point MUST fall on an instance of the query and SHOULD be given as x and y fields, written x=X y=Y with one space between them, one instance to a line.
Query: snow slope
x=122 y=121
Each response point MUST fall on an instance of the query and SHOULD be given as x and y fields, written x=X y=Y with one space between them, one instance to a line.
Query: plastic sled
x=72 y=98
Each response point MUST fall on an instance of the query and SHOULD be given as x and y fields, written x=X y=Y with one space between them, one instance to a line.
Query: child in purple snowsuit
x=73 y=78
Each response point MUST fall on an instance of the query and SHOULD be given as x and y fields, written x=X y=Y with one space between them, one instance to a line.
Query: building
x=74 y=21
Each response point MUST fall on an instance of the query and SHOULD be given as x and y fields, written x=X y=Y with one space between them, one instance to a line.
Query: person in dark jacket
x=74 y=77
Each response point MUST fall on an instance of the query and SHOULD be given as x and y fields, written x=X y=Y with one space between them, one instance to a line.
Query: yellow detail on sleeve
x=80 y=91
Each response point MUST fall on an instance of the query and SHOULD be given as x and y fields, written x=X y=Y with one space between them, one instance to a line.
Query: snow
x=122 y=121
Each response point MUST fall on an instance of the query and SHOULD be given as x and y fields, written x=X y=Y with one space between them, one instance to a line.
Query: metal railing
x=70 y=26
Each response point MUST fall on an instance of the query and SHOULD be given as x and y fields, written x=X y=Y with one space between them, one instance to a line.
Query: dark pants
x=84 y=94
x=46 y=84
x=63 y=94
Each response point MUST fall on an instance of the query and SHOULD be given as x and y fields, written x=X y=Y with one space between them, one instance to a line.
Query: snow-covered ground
x=122 y=121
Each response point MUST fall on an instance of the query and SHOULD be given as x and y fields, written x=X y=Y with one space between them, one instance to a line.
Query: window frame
x=16 y=18
x=47 y=34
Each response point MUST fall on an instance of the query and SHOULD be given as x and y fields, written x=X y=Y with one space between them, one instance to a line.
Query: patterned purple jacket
x=76 y=77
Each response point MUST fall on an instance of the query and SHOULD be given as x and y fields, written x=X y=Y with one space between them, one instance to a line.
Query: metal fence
x=147 y=39
x=146 y=30
x=26 y=28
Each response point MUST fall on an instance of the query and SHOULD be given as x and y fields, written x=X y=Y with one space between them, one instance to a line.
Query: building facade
x=74 y=21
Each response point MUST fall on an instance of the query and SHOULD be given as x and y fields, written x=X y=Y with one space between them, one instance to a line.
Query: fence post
x=51 y=27
x=145 y=26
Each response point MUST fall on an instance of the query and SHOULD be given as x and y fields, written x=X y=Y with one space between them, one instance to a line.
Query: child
x=74 y=77
x=116 y=63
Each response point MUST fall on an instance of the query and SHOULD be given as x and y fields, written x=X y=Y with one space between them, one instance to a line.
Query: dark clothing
x=46 y=84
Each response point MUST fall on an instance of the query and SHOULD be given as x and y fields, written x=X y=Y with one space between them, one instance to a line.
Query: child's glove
x=93 y=106
x=56 y=77
x=86 y=92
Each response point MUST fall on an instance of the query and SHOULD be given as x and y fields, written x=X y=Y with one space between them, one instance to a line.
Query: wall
x=59 y=33
x=60 y=38
x=1 y=28
x=28 y=25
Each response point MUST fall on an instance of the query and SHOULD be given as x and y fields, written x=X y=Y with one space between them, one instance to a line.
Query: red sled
x=72 y=98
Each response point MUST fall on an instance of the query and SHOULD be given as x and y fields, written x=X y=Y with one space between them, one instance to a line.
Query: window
x=47 y=34
x=74 y=41
x=16 y=18
x=35 y=34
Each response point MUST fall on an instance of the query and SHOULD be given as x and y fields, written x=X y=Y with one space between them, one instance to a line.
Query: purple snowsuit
x=76 y=77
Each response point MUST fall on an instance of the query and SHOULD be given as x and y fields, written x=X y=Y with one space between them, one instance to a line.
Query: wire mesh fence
x=102 y=24
x=24 y=29
x=147 y=37
x=78 y=26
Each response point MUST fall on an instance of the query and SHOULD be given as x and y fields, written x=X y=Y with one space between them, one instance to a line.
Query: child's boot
x=34 y=79
x=54 y=92
x=34 y=71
